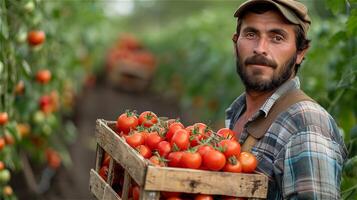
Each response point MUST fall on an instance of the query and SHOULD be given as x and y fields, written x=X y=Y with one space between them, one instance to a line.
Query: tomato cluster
x=168 y=143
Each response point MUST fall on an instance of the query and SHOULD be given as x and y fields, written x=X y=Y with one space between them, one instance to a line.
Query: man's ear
x=235 y=39
x=301 y=55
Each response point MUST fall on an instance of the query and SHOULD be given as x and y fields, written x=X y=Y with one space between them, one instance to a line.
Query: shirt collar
x=287 y=86
x=240 y=102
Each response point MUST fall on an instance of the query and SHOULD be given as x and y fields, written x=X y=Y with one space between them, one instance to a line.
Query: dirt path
x=104 y=102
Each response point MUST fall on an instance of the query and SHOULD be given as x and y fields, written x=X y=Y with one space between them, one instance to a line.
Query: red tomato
x=2 y=165
x=126 y=122
x=181 y=139
x=214 y=160
x=156 y=161
x=233 y=165
x=174 y=159
x=136 y=193
x=164 y=148
x=9 y=139
x=147 y=118
x=4 y=118
x=249 y=162
x=20 y=87
x=230 y=147
x=226 y=133
x=195 y=135
x=135 y=139
x=172 y=129
x=43 y=76
x=203 y=197
x=144 y=150
x=204 y=149
x=35 y=37
x=174 y=198
x=103 y=172
x=152 y=140
x=106 y=160
x=53 y=158
x=170 y=194
x=191 y=160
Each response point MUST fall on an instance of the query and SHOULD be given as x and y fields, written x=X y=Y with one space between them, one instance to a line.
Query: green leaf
x=353 y=133
x=26 y=67
x=352 y=23
x=336 y=6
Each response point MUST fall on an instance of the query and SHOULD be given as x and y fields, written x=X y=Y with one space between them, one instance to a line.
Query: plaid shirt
x=302 y=152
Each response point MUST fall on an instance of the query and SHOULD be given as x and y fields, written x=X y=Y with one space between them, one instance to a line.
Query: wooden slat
x=100 y=188
x=99 y=157
x=126 y=185
x=206 y=182
x=126 y=156
x=149 y=195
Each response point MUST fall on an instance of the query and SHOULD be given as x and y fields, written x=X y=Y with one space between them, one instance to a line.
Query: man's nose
x=261 y=46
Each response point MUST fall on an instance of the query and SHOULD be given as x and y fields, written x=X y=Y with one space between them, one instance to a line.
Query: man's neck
x=254 y=100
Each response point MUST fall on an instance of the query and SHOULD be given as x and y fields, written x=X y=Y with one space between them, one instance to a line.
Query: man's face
x=266 y=51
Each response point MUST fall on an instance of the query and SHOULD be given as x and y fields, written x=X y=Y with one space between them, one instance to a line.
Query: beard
x=254 y=83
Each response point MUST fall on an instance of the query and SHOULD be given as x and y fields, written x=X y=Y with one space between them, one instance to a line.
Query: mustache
x=260 y=60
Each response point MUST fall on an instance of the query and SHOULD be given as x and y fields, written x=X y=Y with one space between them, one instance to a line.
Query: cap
x=294 y=11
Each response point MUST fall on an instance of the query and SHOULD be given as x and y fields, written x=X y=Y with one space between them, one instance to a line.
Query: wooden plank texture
x=206 y=182
x=120 y=151
x=100 y=188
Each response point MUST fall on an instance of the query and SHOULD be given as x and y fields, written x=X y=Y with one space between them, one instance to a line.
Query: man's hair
x=301 y=41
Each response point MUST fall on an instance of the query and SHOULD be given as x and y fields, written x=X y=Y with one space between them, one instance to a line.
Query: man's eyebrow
x=250 y=29
x=279 y=31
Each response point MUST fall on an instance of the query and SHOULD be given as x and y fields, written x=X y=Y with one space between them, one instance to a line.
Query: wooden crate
x=153 y=179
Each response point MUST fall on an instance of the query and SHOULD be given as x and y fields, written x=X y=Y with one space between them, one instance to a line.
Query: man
x=301 y=150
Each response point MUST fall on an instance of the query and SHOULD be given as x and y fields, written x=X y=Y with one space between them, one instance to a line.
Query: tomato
x=106 y=160
x=195 y=135
x=53 y=158
x=20 y=87
x=203 y=197
x=249 y=162
x=174 y=198
x=214 y=160
x=204 y=149
x=144 y=150
x=2 y=143
x=7 y=191
x=103 y=172
x=172 y=129
x=2 y=165
x=43 y=76
x=36 y=37
x=9 y=139
x=226 y=133
x=136 y=193
x=153 y=139
x=232 y=165
x=170 y=194
x=181 y=139
x=156 y=161
x=126 y=122
x=4 y=176
x=164 y=148
x=191 y=160
x=147 y=118
x=45 y=103
x=230 y=147
x=4 y=118
x=135 y=139
x=174 y=159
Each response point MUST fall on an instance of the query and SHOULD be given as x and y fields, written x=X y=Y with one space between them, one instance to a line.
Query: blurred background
x=64 y=64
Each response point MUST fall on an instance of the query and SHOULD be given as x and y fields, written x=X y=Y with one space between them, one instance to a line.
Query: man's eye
x=278 y=38
x=250 y=35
